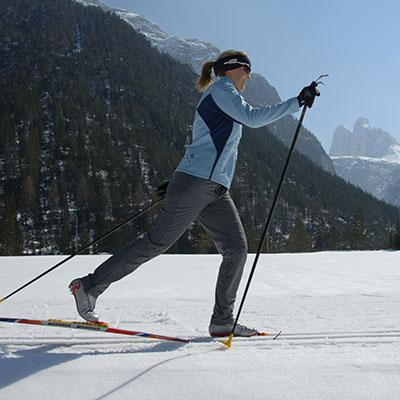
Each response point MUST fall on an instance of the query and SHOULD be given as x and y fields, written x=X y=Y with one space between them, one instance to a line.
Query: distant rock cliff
x=368 y=157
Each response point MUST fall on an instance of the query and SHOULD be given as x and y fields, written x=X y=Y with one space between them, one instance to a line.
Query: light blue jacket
x=217 y=129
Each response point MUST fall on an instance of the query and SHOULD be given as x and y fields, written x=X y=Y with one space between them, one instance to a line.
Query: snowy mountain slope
x=338 y=312
x=369 y=158
x=188 y=51
x=392 y=194
x=373 y=175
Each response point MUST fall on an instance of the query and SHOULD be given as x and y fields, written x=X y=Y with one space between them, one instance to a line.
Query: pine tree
x=28 y=195
x=333 y=239
x=355 y=236
x=299 y=240
x=396 y=237
x=10 y=233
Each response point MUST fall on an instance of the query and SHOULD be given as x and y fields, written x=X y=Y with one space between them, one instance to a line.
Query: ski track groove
x=94 y=344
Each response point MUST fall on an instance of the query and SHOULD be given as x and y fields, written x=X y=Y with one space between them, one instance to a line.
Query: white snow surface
x=339 y=313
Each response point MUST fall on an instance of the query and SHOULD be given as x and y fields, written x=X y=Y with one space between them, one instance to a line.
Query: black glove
x=307 y=95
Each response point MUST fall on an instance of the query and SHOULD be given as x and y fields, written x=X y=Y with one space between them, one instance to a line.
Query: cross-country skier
x=199 y=188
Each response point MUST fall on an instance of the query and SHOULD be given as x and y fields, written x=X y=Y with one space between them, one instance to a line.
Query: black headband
x=231 y=62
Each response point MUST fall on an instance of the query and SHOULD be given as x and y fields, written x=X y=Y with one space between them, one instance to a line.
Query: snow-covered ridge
x=394 y=154
x=387 y=159
x=374 y=175
x=189 y=51
x=96 y=3
x=152 y=31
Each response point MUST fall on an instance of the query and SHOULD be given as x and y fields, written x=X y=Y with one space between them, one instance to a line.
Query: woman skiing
x=199 y=189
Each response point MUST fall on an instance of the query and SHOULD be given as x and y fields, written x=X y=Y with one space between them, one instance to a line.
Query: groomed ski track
x=339 y=313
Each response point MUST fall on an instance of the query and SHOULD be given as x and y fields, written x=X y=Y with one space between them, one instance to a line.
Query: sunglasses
x=247 y=69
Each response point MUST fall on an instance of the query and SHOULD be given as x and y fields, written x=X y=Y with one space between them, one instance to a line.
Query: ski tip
x=2 y=300
x=274 y=336
x=228 y=343
x=277 y=335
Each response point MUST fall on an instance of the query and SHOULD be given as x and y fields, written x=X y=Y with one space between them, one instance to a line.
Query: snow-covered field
x=339 y=312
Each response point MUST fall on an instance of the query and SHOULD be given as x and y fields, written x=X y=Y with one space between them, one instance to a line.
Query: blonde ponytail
x=205 y=79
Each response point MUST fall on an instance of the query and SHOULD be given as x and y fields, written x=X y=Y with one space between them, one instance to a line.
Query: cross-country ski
x=105 y=328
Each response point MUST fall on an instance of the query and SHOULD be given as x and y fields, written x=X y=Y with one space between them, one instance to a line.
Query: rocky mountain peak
x=361 y=124
x=364 y=141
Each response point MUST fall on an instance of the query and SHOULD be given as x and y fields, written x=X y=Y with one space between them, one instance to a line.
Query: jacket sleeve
x=232 y=103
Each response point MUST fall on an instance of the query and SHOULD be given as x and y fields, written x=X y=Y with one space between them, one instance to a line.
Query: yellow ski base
x=100 y=323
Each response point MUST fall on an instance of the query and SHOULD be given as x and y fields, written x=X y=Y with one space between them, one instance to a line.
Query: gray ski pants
x=188 y=198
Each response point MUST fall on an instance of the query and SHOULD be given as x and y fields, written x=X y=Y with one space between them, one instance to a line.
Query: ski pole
x=228 y=342
x=162 y=190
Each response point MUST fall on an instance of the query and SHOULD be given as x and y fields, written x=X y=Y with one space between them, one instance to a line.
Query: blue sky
x=292 y=42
